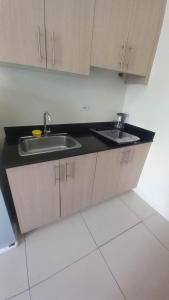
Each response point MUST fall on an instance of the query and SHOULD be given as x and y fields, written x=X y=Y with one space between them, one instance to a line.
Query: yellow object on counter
x=37 y=133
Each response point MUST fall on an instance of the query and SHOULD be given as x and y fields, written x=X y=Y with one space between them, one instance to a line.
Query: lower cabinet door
x=106 y=176
x=132 y=163
x=76 y=183
x=35 y=191
x=118 y=171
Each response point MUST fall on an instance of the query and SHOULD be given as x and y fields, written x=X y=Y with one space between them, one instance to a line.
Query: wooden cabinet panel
x=143 y=35
x=35 y=191
x=110 y=32
x=106 y=176
x=126 y=33
x=118 y=171
x=22 y=32
x=69 y=33
x=44 y=192
x=133 y=160
x=77 y=177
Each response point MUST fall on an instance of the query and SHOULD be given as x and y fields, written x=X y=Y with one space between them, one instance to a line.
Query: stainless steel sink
x=45 y=144
x=117 y=136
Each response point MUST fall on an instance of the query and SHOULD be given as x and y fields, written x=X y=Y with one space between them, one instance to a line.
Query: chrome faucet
x=46 y=117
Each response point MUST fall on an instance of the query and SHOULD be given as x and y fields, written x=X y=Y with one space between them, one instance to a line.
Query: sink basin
x=45 y=144
x=117 y=136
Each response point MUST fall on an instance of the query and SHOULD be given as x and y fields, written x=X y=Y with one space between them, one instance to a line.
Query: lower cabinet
x=132 y=160
x=35 y=191
x=45 y=192
x=106 y=176
x=118 y=171
x=76 y=183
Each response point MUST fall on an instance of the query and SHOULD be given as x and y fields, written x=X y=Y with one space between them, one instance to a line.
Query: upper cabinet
x=22 y=32
x=69 y=25
x=72 y=35
x=143 y=34
x=111 y=27
x=125 y=34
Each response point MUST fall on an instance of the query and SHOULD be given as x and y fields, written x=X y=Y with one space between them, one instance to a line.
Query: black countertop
x=9 y=156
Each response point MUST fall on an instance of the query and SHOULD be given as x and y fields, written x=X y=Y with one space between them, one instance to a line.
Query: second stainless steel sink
x=117 y=136
x=45 y=144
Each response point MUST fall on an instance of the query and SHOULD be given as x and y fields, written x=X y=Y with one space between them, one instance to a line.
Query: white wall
x=148 y=107
x=26 y=94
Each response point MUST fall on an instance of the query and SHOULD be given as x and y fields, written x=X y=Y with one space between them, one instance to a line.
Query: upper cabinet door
x=111 y=27
x=22 y=33
x=146 y=22
x=69 y=33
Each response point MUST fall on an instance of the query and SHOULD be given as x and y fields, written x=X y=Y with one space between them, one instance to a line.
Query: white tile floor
x=118 y=250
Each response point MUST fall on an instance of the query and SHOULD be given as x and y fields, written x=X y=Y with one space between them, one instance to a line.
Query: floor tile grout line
x=120 y=234
x=106 y=263
x=27 y=267
x=98 y=249
x=63 y=269
x=149 y=217
x=16 y=295
x=155 y=236
x=132 y=210
x=110 y=240
x=145 y=219
x=86 y=225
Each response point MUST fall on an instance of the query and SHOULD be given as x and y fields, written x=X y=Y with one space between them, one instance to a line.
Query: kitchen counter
x=91 y=143
x=9 y=156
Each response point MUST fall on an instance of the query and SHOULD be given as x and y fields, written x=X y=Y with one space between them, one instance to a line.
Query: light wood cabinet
x=110 y=30
x=126 y=33
x=106 y=176
x=62 y=28
x=22 y=32
x=118 y=171
x=45 y=192
x=77 y=177
x=143 y=34
x=72 y=35
x=132 y=160
x=35 y=191
x=69 y=26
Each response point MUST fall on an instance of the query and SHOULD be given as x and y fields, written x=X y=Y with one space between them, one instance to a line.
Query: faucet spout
x=46 y=117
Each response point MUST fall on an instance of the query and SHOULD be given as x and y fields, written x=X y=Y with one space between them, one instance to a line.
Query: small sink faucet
x=46 y=117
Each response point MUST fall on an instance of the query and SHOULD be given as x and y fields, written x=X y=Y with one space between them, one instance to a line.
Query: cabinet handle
x=129 y=52
x=122 y=58
x=56 y=170
x=131 y=156
x=39 y=44
x=67 y=176
x=126 y=157
x=53 y=48
x=122 y=62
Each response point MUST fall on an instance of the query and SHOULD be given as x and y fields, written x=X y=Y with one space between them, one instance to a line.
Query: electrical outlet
x=85 y=107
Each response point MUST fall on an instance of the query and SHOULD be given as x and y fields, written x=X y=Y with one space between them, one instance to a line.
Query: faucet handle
x=47 y=116
x=48 y=131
